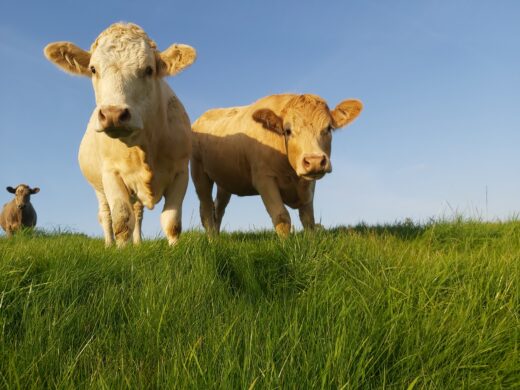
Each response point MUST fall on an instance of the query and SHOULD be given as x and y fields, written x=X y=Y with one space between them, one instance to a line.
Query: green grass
x=400 y=306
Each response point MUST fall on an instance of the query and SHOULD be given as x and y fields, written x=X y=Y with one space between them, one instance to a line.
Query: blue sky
x=440 y=81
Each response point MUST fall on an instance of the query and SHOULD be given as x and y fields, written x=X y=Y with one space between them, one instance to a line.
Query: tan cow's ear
x=69 y=57
x=346 y=112
x=11 y=190
x=269 y=120
x=175 y=59
x=35 y=190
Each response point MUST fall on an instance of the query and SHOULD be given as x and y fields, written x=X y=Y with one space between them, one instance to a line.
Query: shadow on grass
x=258 y=273
x=406 y=230
x=253 y=235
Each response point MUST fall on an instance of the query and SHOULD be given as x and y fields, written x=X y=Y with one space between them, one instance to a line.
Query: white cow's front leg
x=123 y=219
x=105 y=220
x=138 y=213
x=273 y=202
x=171 y=216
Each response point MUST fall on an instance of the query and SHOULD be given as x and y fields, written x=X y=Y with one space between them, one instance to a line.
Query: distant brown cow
x=276 y=148
x=19 y=212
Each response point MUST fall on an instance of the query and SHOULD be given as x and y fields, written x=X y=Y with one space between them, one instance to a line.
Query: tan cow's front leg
x=307 y=216
x=138 y=213
x=123 y=219
x=273 y=202
x=9 y=232
x=171 y=216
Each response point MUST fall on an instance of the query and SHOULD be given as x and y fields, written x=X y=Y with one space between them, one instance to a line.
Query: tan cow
x=19 y=213
x=137 y=144
x=276 y=147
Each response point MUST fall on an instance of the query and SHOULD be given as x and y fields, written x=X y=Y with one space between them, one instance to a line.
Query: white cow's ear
x=69 y=57
x=345 y=112
x=269 y=120
x=11 y=190
x=175 y=59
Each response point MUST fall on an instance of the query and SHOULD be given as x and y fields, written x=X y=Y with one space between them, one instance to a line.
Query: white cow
x=137 y=144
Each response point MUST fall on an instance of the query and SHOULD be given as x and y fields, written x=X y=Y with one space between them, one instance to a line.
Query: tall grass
x=399 y=306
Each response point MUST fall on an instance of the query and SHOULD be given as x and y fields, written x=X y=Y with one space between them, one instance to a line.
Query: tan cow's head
x=307 y=124
x=22 y=194
x=125 y=67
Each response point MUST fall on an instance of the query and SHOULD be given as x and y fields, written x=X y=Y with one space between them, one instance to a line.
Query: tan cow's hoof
x=173 y=241
x=283 y=230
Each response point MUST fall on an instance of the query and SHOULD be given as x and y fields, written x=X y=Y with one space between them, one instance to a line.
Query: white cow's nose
x=112 y=116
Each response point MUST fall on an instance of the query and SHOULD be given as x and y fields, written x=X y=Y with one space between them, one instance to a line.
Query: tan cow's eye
x=148 y=71
x=93 y=70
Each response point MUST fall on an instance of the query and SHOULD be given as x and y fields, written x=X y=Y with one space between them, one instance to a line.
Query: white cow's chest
x=142 y=184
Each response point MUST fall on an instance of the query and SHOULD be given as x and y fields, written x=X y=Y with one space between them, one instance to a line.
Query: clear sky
x=440 y=82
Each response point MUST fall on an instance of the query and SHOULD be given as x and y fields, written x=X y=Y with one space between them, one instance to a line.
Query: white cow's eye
x=287 y=132
x=93 y=70
x=148 y=71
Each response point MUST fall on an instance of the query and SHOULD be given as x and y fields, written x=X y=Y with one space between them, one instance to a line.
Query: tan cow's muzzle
x=315 y=166
x=114 y=121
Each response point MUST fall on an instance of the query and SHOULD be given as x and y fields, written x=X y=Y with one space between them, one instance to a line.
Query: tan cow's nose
x=314 y=163
x=111 y=116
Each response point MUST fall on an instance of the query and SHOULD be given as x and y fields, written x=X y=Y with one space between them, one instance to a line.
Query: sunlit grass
x=396 y=306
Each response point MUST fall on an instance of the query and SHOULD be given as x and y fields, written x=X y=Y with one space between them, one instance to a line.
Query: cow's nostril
x=323 y=162
x=125 y=115
x=306 y=163
x=102 y=116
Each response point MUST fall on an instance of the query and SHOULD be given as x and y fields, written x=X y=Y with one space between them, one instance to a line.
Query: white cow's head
x=307 y=124
x=126 y=68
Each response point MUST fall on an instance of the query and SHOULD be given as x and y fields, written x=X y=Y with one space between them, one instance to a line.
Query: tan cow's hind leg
x=138 y=212
x=221 y=203
x=204 y=188
x=273 y=202
x=307 y=216
x=171 y=216
x=123 y=219
x=104 y=218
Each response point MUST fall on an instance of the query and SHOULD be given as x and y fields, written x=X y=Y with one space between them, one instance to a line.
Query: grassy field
x=400 y=306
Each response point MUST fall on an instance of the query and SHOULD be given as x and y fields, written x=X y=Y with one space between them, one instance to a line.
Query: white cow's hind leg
x=138 y=213
x=171 y=216
x=104 y=218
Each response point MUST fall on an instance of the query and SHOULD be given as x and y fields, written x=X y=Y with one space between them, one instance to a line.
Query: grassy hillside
x=400 y=306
